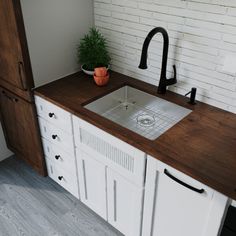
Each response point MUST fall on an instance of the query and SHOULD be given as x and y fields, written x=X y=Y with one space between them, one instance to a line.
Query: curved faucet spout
x=143 y=61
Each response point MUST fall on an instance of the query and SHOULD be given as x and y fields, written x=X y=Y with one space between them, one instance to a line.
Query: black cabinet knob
x=51 y=114
x=54 y=136
x=57 y=157
x=60 y=177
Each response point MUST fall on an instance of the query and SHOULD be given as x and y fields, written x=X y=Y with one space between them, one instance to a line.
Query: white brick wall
x=202 y=33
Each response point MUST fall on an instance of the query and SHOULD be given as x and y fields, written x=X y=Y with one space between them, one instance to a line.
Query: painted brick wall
x=202 y=33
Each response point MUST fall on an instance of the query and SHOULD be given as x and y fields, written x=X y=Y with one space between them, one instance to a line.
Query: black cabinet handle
x=57 y=157
x=51 y=114
x=54 y=136
x=182 y=183
x=60 y=177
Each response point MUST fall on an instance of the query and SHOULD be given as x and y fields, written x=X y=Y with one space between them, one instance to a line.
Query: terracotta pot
x=101 y=80
x=100 y=71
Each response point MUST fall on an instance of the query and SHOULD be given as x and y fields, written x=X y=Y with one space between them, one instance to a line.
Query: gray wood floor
x=31 y=205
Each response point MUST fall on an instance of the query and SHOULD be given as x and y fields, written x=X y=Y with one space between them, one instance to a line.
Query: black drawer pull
x=182 y=183
x=51 y=114
x=60 y=177
x=57 y=157
x=54 y=136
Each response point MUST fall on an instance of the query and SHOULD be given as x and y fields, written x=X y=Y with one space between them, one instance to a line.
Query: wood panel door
x=15 y=69
x=21 y=129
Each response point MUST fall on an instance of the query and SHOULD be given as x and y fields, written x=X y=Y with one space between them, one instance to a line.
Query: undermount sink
x=143 y=113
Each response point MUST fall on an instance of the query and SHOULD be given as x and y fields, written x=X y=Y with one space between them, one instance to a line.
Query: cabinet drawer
x=54 y=114
x=67 y=180
x=56 y=136
x=113 y=152
x=60 y=157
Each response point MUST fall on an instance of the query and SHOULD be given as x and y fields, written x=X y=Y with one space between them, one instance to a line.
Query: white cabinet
x=111 y=176
x=92 y=183
x=124 y=204
x=139 y=196
x=67 y=180
x=53 y=114
x=178 y=205
x=58 y=144
x=113 y=152
x=63 y=159
x=56 y=136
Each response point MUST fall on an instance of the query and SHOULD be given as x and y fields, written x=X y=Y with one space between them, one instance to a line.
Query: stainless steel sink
x=138 y=111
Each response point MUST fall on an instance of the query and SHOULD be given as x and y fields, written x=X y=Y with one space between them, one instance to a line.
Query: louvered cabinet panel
x=113 y=152
x=111 y=171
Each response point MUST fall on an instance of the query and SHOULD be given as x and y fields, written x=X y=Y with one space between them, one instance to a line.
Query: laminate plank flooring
x=31 y=205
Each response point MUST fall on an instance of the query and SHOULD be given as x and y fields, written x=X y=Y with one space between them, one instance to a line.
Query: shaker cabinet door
x=176 y=204
x=179 y=210
x=92 y=181
x=124 y=204
x=21 y=129
x=14 y=58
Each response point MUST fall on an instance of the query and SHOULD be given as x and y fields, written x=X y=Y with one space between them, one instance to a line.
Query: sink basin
x=138 y=111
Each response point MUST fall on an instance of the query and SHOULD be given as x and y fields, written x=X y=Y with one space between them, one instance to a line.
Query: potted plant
x=92 y=51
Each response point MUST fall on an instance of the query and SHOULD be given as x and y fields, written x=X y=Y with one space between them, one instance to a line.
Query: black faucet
x=164 y=82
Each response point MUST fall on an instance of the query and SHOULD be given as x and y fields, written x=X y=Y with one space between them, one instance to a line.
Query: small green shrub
x=92 y=50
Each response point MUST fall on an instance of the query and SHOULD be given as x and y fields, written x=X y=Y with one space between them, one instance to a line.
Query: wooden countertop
x=202 y=145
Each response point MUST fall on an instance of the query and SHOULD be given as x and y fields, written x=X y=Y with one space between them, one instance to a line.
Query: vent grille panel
x=106 y=149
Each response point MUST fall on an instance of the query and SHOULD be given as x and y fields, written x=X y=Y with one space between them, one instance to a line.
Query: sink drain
x=146 y=120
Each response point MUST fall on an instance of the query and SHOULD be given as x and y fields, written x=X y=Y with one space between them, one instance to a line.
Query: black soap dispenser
x=192 y=93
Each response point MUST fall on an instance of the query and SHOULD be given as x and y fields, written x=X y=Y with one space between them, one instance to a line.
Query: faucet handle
x=172 y=80
x=175 y=73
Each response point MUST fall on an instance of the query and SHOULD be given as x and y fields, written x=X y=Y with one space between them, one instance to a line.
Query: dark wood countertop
x=202 y=145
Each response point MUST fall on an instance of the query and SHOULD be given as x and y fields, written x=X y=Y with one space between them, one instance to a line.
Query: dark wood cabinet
x=21 y=129
x=15 y=69
x=17 y=108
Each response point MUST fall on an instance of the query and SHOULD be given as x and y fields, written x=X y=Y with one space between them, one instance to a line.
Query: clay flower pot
x=101 y=80
x=100 y=71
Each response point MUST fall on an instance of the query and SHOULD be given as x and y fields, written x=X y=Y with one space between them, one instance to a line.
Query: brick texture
x=202 y=33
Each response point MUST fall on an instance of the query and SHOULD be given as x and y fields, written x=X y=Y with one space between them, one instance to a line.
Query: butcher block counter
x=202 y=145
